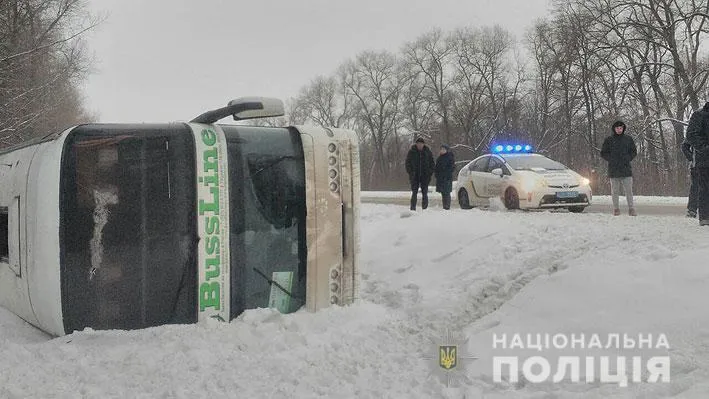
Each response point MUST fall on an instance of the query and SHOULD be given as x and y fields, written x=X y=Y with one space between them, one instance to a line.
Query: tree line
x=560 y=88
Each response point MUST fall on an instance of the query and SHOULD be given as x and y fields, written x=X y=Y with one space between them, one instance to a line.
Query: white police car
x=521 y=179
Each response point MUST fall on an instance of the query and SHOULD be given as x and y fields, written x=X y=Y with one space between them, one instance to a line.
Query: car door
x=477 y=179
x=494 y=183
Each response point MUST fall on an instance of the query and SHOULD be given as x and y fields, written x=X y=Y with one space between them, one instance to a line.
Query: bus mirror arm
x=244 y=108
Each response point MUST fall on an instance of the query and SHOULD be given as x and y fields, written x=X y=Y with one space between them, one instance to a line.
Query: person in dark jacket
x=445 y=166
x=693 y=186
x=698 y=139
x=619 y=150
x=420 y=166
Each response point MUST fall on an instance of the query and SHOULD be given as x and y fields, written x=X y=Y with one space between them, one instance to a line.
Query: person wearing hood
x=619 y=150
x=420 y=167
x=698 y=139
x=445 y=166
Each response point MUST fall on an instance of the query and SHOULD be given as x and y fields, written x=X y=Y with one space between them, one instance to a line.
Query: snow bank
x=423 y=273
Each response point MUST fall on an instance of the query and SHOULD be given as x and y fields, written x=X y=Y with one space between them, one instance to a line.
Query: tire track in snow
x=523 y=256
x=461 y=248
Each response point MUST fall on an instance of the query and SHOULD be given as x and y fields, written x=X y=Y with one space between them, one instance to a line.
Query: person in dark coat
x=445 y=166
x=420 y=167
x=619 y=150
x=698 y=139
x=693 y=184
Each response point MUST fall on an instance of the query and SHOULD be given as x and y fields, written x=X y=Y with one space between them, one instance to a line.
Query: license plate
x=567 y=194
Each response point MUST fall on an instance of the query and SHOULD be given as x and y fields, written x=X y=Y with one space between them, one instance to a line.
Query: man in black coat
x=693 y=184
x=619 y=150
x=420 y=167
x=445 y=166
x=698 y=138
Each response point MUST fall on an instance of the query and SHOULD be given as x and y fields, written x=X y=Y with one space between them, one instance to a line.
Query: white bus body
x=123 y=226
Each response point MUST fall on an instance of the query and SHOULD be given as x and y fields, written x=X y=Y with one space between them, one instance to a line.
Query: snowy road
x=474 y=273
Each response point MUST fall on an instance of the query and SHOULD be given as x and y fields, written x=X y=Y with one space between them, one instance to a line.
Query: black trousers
x=446 y=200
x=415 y=185
x=693 y=202
x=702 y=175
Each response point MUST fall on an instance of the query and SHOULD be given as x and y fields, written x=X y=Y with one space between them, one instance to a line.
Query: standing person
x=698 y=138
x=445 y=166
x=693 y=184
x=419 y=166
x=619 y=150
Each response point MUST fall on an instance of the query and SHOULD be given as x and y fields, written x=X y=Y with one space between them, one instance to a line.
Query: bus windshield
x=267 y=218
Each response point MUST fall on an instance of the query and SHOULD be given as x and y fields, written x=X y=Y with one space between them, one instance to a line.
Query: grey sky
x=171 y=60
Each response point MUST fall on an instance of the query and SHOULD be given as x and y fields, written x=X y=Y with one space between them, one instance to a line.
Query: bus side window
x=10 y=235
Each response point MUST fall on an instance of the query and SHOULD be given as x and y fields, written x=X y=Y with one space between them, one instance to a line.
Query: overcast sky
x=173 y=59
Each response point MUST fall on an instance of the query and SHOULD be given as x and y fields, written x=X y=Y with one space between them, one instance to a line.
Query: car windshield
x=531 y=162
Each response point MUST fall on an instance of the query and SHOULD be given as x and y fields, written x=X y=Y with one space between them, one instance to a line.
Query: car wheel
x=511 y=199
x=576 y=209
x=463 y=199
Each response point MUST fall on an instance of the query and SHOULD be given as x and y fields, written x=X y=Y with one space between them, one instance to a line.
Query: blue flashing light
x=510 y=149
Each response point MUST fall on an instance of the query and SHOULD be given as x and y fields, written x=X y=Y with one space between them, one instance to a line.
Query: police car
x=521 y=179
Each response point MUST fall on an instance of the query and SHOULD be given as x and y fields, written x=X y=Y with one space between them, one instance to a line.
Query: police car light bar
x=507 y=149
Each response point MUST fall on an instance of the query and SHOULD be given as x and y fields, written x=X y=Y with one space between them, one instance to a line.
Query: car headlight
x=585 y=181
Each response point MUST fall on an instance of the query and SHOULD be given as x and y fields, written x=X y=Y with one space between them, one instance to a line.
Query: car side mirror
x=497 y=172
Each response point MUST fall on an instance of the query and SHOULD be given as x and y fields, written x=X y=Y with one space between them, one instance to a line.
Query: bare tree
x=430 y=55
x=417 y=112
x=324 y=102
x=482 y=70
x=545 y=105
x=42 y=62
x=372 y=80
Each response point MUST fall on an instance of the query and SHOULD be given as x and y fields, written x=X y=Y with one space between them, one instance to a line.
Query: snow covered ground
x=472 y=273
x=597 y=199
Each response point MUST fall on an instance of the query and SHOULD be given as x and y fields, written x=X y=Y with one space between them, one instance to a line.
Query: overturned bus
x=126 y=226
